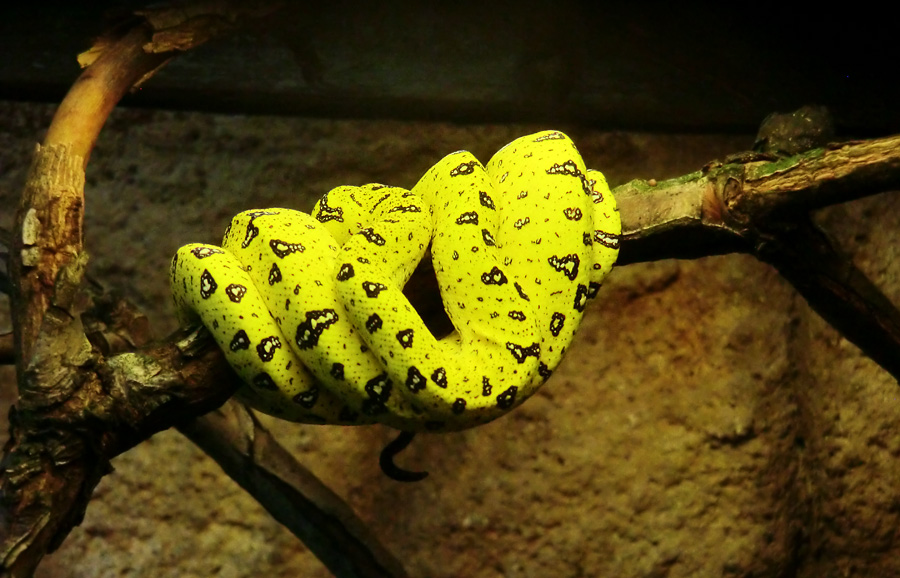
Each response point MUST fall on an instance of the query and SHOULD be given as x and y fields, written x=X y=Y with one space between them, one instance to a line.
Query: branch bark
x=761 y=207
x=233 y=437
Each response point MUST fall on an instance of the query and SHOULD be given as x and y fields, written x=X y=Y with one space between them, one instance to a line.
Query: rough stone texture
x=706 y=422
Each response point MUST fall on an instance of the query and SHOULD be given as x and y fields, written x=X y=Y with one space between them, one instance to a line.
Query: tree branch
x=760 y=207
x=247 y=452
x=711 y=211
x=78 y=408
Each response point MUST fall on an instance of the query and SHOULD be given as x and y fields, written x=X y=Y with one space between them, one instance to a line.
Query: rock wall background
x=706 y=422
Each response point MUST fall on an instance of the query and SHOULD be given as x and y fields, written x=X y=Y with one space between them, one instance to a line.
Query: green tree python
x=309 y=311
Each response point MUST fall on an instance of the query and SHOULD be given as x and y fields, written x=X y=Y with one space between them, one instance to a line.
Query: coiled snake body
x=309 y=310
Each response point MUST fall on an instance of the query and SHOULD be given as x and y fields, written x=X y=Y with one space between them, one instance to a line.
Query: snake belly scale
x=309 y=309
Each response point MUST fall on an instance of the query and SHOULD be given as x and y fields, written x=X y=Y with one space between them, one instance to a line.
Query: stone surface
x=705 y=423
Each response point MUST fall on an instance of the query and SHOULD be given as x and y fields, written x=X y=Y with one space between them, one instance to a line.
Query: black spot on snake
x=464 y=169
x=239 y=341
x=608 y=240
x=264 y=381
x=208 y=285
x=520 y=291
x=379 y=388
x=405 y=337
x=373 y=323
x=317 y=321
x=555 y=135
x=415 y=381
x=235 y=292
x=307 y=398
x=274 y=274
x=556 y=323
x=493 y=277
x=506 y=399
x=581 y=297
x=544 y=371
x=486 y=200
x=467 y=218
x=522 y=353
x=266 y=348
x=282 y=249
x=337 y=371
x=326 y=213
x=569 y=167
x=371 y=236
x=379 y=201
x=458 y=406
x=439 y=377
x=345 y=272
x=372 y=407
x=406 y=209
x=204 y=252
x=253 y=230
x=373 y=289
x=567 y=265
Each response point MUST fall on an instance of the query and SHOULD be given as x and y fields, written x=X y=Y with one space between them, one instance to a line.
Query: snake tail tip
x=386 y=460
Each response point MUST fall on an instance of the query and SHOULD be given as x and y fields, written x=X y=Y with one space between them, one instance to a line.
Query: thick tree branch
x=710 y=212
x=760 y=207
x=77 y=408
x=834 y=288
x=292 y=494
x=54 y=457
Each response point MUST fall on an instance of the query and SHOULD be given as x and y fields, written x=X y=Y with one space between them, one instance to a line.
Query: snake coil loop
x=309 y=308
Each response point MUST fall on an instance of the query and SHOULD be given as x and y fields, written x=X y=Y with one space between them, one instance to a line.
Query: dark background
x=608 y=65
